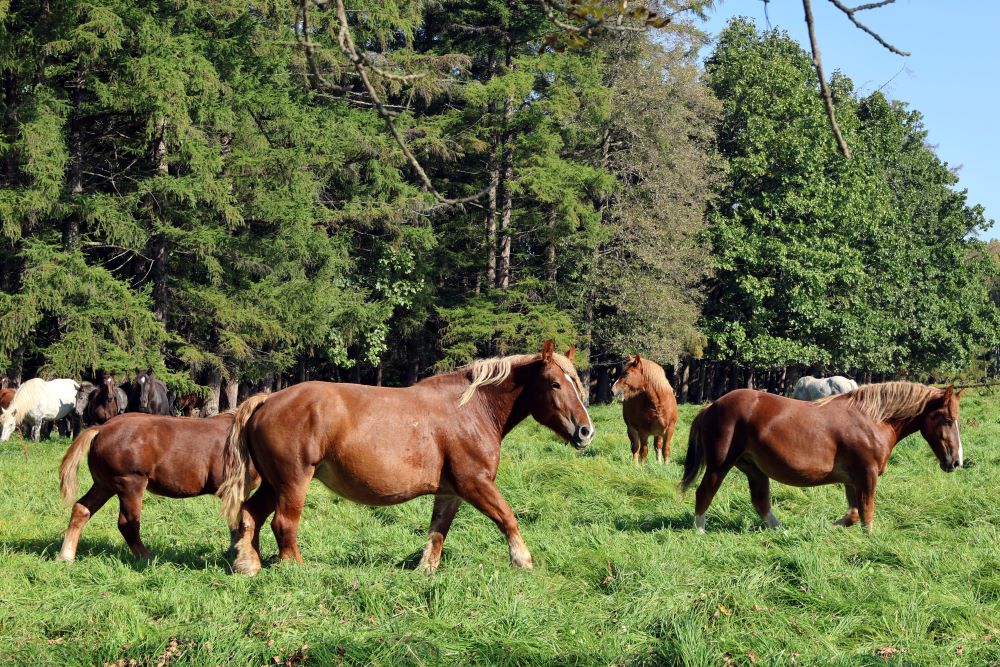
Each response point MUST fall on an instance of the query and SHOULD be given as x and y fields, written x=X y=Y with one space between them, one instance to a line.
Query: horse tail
x=694 y=460
x=236 y=462
x=71 y=462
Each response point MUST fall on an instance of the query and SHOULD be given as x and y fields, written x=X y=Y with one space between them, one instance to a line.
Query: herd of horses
x=442 y=436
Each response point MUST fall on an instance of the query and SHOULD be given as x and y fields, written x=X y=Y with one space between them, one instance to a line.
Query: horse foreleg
x=866 y=499
x=851 y=516
x=84 y=508
x=130 y=511
x=36 y=431
x=668 y=435
x=443 y=514
x=255 y=511
x=484 y=495
x=633 y=437
x=644 y=451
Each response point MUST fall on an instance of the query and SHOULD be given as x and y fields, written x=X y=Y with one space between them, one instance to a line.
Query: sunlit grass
x=620 y=578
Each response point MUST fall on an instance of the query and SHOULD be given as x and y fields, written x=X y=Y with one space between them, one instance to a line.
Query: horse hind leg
x=254 y=513
x=852 y=515
x=760 y=492
x=445 y=508
x=287 y=512
x=130 y=511
x=83 y=509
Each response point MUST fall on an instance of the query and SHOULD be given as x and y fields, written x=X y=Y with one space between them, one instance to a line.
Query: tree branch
x=831 y=112
x=874 y=5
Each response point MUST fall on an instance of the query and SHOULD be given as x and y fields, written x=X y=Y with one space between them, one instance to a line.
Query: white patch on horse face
x=590 y=422
x=142 y=380
x=961 y=452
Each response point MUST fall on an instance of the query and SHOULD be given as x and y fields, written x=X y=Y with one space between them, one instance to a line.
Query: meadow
x=620 y=577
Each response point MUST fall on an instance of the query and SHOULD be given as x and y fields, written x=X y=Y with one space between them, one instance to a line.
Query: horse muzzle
x=950 y=466
x=583 y=436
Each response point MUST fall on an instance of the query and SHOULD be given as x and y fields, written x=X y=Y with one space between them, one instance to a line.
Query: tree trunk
x=378 y=373
x=231 y=393
x=603 y=384
x=683 y=379
x=71 y=223
x=214 y=382
x=506 y=184
x=550 y=246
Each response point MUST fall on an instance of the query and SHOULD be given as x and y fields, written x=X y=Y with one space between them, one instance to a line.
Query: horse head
x=556 y=399
x=631 y=381
x=144 y=382
x=939 y=426
x=8 y=422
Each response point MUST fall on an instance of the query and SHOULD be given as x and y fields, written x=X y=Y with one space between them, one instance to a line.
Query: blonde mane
x=887 y=400
x=494 y=370
x=654 y=377
x=26 y=397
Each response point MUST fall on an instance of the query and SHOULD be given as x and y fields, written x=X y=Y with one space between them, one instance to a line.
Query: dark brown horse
x=187 y=404
x=383 y=446
x=170 y=456
x=102 y=404
x=844 y=439
x=148 y=394
x=648 y=407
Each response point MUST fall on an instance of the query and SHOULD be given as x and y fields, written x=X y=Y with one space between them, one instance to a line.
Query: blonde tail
x=71 y=462
x=236 y=462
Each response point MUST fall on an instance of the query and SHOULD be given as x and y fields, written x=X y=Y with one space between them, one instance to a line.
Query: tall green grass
x=620 y=577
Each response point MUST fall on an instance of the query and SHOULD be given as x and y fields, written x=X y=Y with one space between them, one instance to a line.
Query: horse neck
x=902 y=428
x=503 y=405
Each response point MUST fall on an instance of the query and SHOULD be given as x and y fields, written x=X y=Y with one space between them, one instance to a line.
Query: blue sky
x=951 y=75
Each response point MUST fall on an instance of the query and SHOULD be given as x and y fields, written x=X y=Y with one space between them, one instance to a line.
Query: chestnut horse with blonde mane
x=177 y=457
x=384 y=446
x=648 y=407
x=845 y=439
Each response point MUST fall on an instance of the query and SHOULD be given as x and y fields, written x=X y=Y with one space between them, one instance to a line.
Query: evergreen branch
x=878 y=38
x=350 y=51
x=831 y=112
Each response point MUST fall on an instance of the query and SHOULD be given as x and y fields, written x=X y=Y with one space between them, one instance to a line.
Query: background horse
x=102 y=404
x=188 y=404
x=36 y=402
x=649 y=408
x=148 y=395
x=170 y=456
x=843 y=439
x=383 y=446
x=809 y=388
x=6 y=396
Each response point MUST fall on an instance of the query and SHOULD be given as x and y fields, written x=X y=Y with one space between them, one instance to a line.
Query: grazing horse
x=843 y=439
x=102 y=404
x=36 y=402
x=809 y=388
x=148 y=395
x=648 y=407
x=170 y=456
x=6 y=396
x=384 y=446
x=187 y=404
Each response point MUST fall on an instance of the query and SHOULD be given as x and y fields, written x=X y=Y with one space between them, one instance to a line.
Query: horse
x=175 y=457
x=648 y=407
x=384 y=446
x=188 y=404
x=841 y=439
x=102 y=404
x=6 y=396
x=37 y=401
x=148 y=394
x=809 y=388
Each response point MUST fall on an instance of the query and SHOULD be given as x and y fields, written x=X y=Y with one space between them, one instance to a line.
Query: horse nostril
x=586 y=431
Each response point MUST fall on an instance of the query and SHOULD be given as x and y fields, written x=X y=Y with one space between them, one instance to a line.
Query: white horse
x=809 y=388
x=37 y=402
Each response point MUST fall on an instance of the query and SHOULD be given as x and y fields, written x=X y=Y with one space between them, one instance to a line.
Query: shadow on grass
x=680 y=522
x=194 y=558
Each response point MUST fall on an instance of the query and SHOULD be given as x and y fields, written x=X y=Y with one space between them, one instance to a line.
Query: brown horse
x=187 y=404
x=843 y=439
x=648 y=407
x=102 y=404
x=6 y=396
x=171 y=456
x=383 y=446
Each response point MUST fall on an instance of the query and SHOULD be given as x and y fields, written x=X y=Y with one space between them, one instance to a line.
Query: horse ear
x=571 y=352
x=949 y=391
x=149 y=371
x=637 y=359
x=548 y=349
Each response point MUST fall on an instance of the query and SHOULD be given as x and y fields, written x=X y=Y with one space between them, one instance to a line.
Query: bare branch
x=824 y=87
x=877 y=37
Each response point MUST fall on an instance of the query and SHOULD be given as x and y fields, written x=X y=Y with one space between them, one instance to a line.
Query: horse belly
x=369 y=478
x=795 y=459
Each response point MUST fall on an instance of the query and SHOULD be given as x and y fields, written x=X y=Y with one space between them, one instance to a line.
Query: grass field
x=620 y=577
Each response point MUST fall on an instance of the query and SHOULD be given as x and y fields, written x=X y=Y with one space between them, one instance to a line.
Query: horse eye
x=556 y=385
x=949 y=422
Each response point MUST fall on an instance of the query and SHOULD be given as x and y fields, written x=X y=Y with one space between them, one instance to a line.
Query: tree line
x=219 y=191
